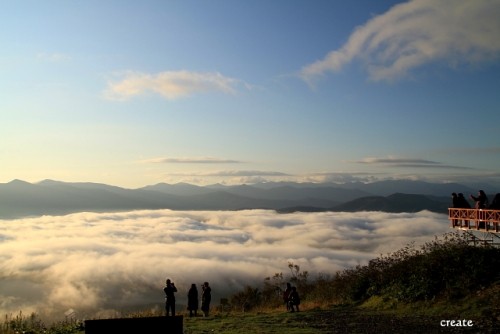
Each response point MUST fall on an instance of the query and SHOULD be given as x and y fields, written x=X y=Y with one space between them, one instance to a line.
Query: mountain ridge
x=48 y=197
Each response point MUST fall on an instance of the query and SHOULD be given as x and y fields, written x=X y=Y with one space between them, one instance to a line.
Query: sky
x=99 y=264
x=134 y=93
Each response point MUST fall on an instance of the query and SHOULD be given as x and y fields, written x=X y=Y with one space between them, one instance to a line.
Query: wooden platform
x=150 y=325
x=475 y=219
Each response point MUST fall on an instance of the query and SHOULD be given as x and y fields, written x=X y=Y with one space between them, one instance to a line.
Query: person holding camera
x=169 y=290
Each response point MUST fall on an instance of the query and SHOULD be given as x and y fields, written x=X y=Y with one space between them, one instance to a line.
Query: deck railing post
x=467 y=222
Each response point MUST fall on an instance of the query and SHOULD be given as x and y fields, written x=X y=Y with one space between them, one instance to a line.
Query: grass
x=375 y=315
x=272 y=322
x=21 y=324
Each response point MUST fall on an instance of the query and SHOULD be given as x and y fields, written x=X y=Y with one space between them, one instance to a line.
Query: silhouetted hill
x=395 y=203
x=392 y=203
x=386 y=188
x=19 y=198
x=178 y=189
x=272 y=191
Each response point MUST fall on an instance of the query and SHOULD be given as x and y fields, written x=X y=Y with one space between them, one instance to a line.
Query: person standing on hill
x=169 y=290
x=193 y=300
x=206 y=298
x=294 y=300
x=286 y=295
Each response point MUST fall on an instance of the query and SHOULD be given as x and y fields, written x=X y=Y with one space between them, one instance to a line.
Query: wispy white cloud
x=246 y=173
x=373 y=160
x=416 y=33
x=191 y=160
x=343 y=177
x=232 y=177
x=53 y=57
x=231 y=173
x=102 y=261
x=170 y=84
x=407 y=163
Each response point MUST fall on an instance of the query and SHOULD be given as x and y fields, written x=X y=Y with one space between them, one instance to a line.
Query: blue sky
x=132 y=93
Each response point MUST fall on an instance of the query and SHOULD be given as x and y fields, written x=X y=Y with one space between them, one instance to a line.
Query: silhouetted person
x=495 y=203
x=294 y=300
x=169 y=290
x=193 y=300
x=462 y=202
x=286 y=295
x=481 y=203
x=481 y=200
x=206 y=298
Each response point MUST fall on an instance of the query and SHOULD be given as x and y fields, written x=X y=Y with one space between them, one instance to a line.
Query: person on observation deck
x=454 y=204
x=462 y=202
x=495 y=203
x=481 y=200
x=454 y=200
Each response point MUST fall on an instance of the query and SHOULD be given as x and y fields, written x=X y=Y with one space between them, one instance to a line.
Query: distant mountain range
x=21 y=199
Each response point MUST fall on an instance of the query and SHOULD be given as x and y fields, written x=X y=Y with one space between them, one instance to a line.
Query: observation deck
x=481 y=225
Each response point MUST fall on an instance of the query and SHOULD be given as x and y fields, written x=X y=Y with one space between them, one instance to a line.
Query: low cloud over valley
x=96 y=263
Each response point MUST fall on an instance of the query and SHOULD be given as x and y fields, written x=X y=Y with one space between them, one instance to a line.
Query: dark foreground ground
x=356 y=321
x=348 y=320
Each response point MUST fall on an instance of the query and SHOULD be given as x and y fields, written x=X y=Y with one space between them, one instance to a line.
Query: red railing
x=478 y=219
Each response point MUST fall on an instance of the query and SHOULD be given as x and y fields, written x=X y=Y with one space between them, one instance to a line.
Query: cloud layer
x=93 y=262
x=416 y=33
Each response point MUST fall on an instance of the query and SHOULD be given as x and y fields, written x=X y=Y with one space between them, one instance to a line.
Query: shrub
x=448 y=267
x=247 y=299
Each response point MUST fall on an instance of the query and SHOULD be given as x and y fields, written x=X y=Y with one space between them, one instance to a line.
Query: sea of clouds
x=98 y=263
